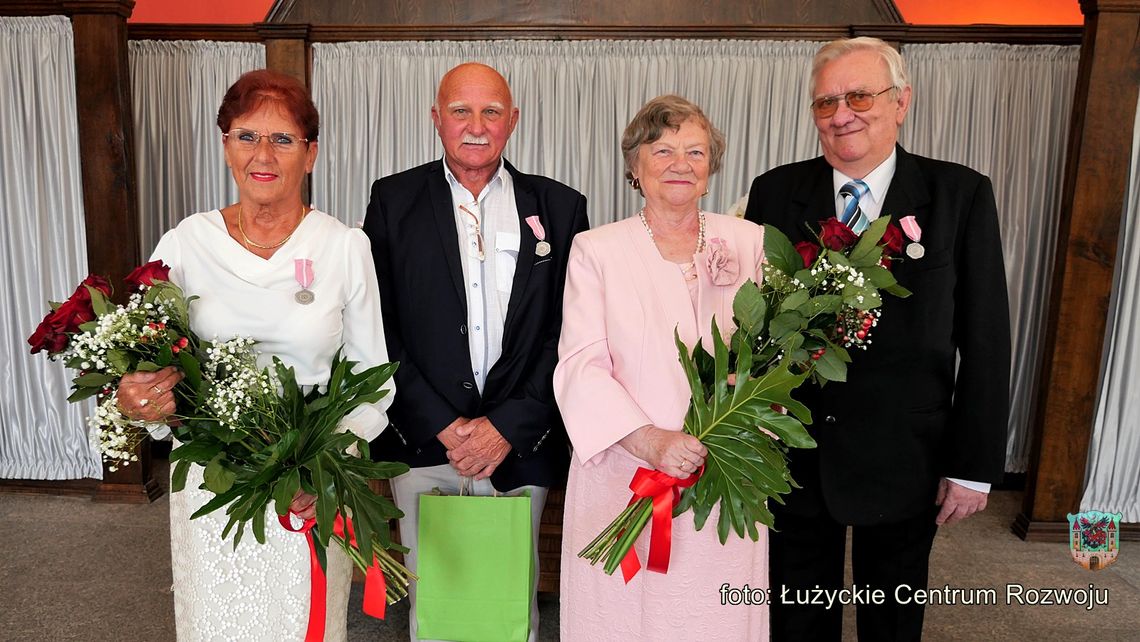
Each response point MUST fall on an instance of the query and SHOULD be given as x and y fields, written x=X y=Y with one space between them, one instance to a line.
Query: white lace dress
x=261 y=592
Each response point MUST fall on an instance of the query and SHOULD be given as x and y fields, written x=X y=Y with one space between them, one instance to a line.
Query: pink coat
x=618 y=371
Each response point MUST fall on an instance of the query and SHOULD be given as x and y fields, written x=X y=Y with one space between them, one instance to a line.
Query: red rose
x=148 y=274
x=73 y=313
x=809 y=251
x=835 y=235
x=49 y=335
x=893 y=240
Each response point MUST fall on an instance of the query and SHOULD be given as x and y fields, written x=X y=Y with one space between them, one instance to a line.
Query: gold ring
x=156 y=389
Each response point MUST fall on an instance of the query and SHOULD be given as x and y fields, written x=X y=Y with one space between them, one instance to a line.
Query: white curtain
x=1112 y=482
x=43 y=248
x=575 y=99
x=176 y=89
x=1004 y=111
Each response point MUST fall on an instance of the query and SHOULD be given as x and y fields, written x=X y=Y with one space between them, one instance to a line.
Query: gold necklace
x=249 y=242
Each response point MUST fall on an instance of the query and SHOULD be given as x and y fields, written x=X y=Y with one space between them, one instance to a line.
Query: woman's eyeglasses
x=856 y=101
x=249 y=139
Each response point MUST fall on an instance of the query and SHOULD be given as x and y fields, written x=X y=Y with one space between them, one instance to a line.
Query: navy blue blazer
x=908 y=413
x=411 y=224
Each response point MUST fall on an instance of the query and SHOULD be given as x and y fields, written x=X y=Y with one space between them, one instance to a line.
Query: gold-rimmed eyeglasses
x=249 y=139
x=857 y=100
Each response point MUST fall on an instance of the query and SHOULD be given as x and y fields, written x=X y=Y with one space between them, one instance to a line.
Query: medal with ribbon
x=913 y=232
x=303 y=272
x=542 y=248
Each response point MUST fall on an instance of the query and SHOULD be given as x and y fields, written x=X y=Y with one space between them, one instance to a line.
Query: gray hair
x=839 y=48
x=667 y=111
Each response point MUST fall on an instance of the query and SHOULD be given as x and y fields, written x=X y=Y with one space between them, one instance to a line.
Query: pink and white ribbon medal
x=913 y=232
x=303 y=272
x=542 y=248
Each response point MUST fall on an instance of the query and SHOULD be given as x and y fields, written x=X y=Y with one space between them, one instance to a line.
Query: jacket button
x=830 y=419
x=463 y=329
x=468 y=385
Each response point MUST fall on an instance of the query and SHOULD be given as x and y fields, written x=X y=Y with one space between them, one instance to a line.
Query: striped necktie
x=852 y=216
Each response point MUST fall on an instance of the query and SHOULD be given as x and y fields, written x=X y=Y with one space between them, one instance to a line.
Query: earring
x=706 y=193
x=635 y=183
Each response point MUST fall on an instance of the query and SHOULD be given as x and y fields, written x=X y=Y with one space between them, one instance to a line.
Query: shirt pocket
x=506 y=256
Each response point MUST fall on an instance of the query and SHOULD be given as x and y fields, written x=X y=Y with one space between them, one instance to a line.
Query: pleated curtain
x=1113 y=475
x=43 y=248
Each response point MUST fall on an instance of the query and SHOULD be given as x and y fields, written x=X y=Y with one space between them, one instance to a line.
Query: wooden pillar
x=1096 y=173
x=110 y=189
x=287 y=51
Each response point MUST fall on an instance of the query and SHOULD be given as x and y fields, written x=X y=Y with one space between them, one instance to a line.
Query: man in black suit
x=471 y=259
x=913 y=439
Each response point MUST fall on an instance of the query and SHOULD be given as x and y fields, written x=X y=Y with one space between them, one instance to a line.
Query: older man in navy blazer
x=917 y=434
x=471 y=259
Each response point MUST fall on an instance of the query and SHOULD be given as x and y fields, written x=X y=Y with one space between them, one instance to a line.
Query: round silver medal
x=304 y=297
x=915 y=250
x=542 y=248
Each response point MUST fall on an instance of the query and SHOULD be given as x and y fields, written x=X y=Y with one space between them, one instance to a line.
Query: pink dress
x=618 y=371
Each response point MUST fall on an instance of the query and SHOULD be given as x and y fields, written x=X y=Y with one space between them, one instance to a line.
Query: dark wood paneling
x=1096 y=171
x=224 y=33
x=582 y=12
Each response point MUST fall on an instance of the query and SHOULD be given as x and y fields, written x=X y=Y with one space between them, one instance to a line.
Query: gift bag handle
x=465 y=483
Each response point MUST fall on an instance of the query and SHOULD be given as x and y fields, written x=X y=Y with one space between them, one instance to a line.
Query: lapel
x=526 y=204
x=815 y=201
x=907 y=193
x=444 y=213
x=666 y=281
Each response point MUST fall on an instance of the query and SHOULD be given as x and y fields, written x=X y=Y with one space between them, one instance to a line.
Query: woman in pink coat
x=623 y=394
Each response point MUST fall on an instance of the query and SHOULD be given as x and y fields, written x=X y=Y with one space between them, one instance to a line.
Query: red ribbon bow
x=665 y=490
x=375 y=589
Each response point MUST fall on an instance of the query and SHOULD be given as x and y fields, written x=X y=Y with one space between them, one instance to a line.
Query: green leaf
x=831 y=365
x=191 y=369
x=808 y=279
x=93 y=379
x=867 y=250
x=878 y=276
x=794 y=300
x=119 y=361
x=749 y=308
x=178 y=477
x=898 y=291
x=83 y=393
x=284 y=490
x=217 y=478
x=822 y=304
x=784 y=324
x=780 y=253
x=147 y=366
x=99 y=303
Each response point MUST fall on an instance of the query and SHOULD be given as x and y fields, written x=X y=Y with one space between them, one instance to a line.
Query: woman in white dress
x=247 y=262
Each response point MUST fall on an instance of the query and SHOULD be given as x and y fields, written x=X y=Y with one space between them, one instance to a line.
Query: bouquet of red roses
x=103 y=342
x=259 y=435
x=816 y=301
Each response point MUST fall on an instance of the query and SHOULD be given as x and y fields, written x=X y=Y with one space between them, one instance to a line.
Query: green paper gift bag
x=476 y=568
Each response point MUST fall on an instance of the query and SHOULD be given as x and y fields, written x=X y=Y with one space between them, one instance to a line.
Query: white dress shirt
x=488 y=228
x=878 y=181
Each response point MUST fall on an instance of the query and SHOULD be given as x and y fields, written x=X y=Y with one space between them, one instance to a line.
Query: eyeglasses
x=856 y=101
x=249 y=139
x=476 y=250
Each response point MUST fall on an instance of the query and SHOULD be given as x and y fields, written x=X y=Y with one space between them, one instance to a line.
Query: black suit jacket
x=906 y=415
x=411 y=225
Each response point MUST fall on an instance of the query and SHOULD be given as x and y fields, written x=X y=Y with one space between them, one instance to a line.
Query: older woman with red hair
x=302 y=284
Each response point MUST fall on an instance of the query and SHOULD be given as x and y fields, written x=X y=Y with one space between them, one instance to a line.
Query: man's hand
x=449 y=437
x=957 y=502
x=482 y=451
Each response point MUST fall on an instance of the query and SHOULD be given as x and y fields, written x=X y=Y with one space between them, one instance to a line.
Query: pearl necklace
x=700 y=230
x=249 y=242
